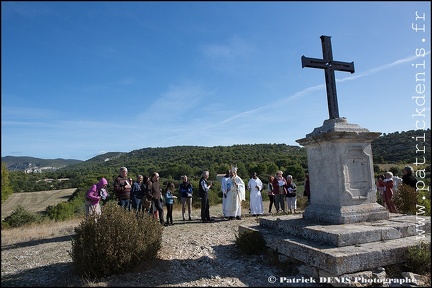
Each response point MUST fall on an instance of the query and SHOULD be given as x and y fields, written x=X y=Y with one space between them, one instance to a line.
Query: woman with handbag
x=291 y=194
x=279 y=190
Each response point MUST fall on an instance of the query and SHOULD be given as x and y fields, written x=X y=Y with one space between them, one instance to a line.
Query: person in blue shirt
x=169 y=202
x=137 y=194
x=186 y=190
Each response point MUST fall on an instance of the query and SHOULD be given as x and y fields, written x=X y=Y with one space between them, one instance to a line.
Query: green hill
x=402 y=147
x=265 y=159
x=31 y=164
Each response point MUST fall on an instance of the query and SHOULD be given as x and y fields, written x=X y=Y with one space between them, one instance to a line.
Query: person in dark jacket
x=270 y=193
x=155 y=194
x=186 y=193
x=291 y=196
x=408 y=178
x=122 y=187
x=306 y=192
x=137 y=194
x=204 y=188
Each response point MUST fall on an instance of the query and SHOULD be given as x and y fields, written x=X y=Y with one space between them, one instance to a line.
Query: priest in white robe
x=235 y=195
x=255 y=186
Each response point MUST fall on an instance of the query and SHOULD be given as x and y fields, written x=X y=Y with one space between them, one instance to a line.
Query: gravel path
x=193 y=254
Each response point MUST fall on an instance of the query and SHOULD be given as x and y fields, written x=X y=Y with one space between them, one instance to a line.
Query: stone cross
x=329 y=66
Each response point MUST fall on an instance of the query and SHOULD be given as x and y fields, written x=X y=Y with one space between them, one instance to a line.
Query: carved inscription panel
x=356 y=167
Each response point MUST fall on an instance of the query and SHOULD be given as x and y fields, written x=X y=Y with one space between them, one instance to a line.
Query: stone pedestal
x=343 y=230
x=341 y=174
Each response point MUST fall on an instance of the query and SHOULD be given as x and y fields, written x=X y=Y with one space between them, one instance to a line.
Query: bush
x=407 y=198
x=115 y=242
x=302 y=201
x=21 y=217
x=419 y=258
x=67 y=209
x=251 y=242
x=60 y=212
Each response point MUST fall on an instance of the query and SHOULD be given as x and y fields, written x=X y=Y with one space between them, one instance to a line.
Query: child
x=169 y=202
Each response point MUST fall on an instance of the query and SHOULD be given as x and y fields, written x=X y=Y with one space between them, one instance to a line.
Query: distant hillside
x=172 y=162
x=397 y=147
x=391 y=148
x=400 y=147
x=31 y=164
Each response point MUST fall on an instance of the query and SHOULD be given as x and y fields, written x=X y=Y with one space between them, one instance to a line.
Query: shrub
x=21 y=217
x=60 y=212
x=115 y=242
x=418 y=259
x=214 y=197
x=407 y=198
x=67 y=209
x=301 y=201
x=251 y=242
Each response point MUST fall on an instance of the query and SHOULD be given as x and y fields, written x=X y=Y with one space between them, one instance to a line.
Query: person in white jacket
x=255 y=186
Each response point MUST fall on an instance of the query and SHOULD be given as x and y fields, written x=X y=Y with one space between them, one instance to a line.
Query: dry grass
x=51 y=228
x=35 y=201
x=32 y=232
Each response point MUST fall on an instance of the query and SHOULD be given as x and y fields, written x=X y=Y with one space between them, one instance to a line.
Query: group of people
x=387 y=185
x=142 y=195
x=145 y=194
x=279 y=189
x=282 y=189
x=233 y=193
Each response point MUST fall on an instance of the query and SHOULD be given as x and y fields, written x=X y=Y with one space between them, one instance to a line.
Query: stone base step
x=397 y=226
x=305 y=242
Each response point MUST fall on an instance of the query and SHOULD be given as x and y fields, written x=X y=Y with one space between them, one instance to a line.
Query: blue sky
x=84 y=78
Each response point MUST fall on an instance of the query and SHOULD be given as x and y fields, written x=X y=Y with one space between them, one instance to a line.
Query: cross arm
x=343 y=66
x=313 y=62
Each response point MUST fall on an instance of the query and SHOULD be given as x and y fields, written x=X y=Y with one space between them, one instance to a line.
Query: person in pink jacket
x=93 y=196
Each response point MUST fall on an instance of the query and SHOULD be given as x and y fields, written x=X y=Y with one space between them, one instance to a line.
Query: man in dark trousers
x=204 y=188
x=155 y=195
x=122 y=188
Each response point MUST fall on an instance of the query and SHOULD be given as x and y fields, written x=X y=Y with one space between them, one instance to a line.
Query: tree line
x=172 y=162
